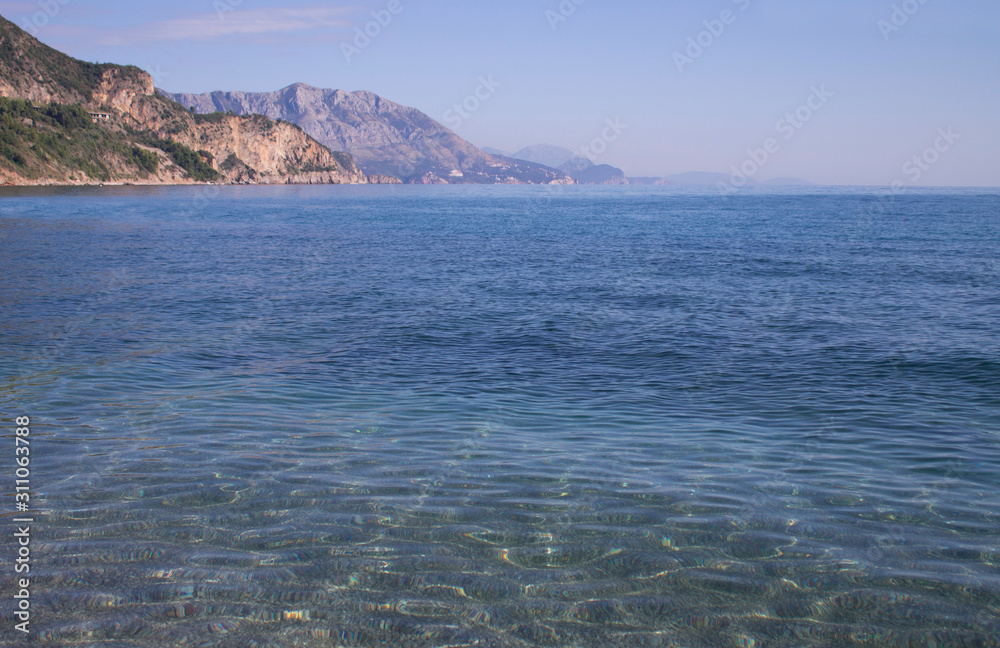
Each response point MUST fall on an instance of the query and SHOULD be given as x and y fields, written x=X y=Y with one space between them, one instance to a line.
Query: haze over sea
x=506 y=416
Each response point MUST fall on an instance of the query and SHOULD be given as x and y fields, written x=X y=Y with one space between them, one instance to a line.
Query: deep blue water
x=492 y=416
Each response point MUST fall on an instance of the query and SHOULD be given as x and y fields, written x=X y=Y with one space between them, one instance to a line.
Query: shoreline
x=190 y=184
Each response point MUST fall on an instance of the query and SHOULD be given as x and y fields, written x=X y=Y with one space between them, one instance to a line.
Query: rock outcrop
x=137 y=135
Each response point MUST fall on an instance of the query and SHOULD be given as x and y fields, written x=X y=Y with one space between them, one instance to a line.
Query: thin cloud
x=253 y=22
x=9 y=9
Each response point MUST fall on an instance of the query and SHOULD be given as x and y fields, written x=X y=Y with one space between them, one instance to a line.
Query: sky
x=842 y=92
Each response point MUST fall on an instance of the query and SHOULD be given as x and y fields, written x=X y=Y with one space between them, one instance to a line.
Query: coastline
x=371 y=180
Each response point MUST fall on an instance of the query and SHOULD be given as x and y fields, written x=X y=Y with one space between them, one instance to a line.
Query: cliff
x=385 y=137
x=68 y=121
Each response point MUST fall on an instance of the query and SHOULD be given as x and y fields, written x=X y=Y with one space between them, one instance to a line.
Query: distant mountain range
x=585 y=171
x=579 y=168
x=385 y=138
x=67 y=121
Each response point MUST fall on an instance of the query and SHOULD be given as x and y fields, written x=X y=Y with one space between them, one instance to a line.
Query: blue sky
x=559 y=71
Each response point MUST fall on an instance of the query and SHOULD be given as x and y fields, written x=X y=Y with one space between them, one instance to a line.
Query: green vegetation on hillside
x=234 y=163
x=22 y=55
x=69 y=117
x=196 y=163
x=32 y=139
x=35 y=140
x=345 y=160
x=212 y=118
x=147 y=161
x=60 y=142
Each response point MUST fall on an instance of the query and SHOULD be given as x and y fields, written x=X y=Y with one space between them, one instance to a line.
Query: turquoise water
x=492 y=416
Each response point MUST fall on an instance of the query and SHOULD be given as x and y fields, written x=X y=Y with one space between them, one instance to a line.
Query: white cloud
x=267 y=20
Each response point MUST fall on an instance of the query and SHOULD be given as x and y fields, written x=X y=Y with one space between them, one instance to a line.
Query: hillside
x=579 y=168
x=384 y=137
x=72 y=122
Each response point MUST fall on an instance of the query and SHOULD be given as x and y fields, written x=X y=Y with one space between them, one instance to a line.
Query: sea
x=444 y=417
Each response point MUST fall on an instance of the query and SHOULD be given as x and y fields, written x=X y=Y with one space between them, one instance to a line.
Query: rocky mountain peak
x=385 y=137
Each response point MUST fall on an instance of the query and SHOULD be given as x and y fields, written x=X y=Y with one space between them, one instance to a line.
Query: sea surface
x=503 y=417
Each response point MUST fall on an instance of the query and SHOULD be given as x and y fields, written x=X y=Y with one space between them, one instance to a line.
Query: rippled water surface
x=271 y=417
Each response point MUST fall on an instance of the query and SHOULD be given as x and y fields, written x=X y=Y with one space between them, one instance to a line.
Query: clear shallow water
x=506 y=416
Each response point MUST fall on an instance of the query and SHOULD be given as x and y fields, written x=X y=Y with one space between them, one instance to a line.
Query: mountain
x=385 y=137
x=579 y=168
x=67 y=121
x=547 y=154
x=493 y=151
x=601 y=174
